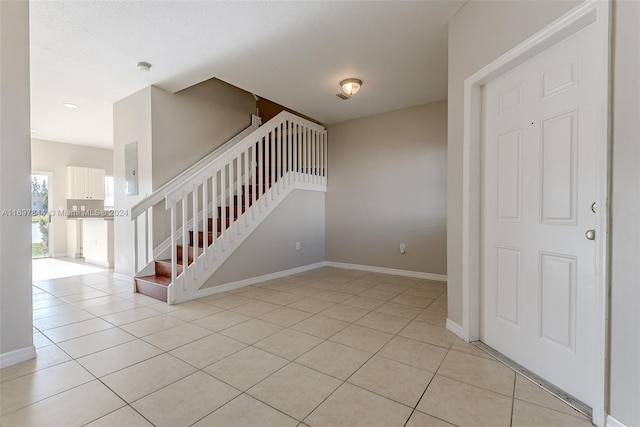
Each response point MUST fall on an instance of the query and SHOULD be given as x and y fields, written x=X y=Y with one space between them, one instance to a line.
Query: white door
x=538 y=186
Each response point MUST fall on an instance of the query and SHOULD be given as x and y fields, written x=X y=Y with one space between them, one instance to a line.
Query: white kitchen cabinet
x=76 y=182
x=95 y=183
x=85 y=183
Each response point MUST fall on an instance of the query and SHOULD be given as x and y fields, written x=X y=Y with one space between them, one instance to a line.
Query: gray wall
x=16 y=325
x=54 y=157
x=625 y=226
x=271 y=248
x=387 y=185
x=477 y=36
x=191 y=123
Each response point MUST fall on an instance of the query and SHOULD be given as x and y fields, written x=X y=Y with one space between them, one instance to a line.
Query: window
x=108 y=191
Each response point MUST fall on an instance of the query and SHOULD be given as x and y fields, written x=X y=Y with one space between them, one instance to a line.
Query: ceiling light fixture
x=70 y=105
x=143 y=66
x=350 y=86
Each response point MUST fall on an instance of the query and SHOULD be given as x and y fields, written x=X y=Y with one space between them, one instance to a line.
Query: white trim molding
x=17 y=356
x=455 y=328
x=591 y=12
x=612 y=422
x=384 y=270
x=205 y=292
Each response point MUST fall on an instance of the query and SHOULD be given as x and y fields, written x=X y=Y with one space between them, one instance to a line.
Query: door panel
x=558 y=169
x=509 y=176
x=508 y=285
x=538 y=184
x=557 y=300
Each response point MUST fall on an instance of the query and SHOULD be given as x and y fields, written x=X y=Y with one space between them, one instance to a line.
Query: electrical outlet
x=297 y=246
x=403 y=248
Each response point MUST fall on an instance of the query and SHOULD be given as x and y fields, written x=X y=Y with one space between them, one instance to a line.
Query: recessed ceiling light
x=70 y=105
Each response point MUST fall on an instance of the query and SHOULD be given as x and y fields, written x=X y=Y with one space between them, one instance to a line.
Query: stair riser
x=164 y=268
x=201 y=238
x=231 y=209
x=189 y=252
x=250 y=189
x=219 y=223
x=152 y=290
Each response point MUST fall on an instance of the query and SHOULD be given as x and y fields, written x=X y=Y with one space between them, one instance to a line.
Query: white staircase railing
x=237 y=186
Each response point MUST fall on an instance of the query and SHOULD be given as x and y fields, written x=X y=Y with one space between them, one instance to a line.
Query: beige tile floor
x=329 y=347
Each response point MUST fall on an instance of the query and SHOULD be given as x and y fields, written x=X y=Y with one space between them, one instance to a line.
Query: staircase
x=156 y=285
x=216 y=204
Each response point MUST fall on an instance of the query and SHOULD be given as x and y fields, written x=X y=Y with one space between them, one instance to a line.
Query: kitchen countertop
x=91 y=214
x=106 y=218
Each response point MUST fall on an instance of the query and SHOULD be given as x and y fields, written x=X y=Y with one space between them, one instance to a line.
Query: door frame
x=49 y=175
x=592 y=12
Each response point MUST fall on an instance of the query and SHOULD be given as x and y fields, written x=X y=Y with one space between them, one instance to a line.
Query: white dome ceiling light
x=349 y=88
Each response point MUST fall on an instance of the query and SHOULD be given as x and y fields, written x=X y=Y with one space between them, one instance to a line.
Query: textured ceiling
x=293 y=53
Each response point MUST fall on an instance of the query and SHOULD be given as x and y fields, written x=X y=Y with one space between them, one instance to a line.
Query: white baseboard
x=16 y=356
x=455 y=328
x=98 y=262
x=612 y=422
x=73 y=255
x=253 y=280
x=372 y=269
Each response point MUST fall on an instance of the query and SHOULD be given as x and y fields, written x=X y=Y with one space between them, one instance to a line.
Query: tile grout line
x=415 y=408
x=513 y=399
x=371 y=357
x=129 y=404
x=267 y=351
x=327 y=339
x=284 y=366
x=345 y=380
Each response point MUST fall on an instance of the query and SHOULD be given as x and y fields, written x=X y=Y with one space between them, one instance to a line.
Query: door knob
x=590 y=234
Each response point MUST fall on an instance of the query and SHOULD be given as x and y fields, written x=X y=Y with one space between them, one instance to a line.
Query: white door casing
x=594 y=12
x=538 y=185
